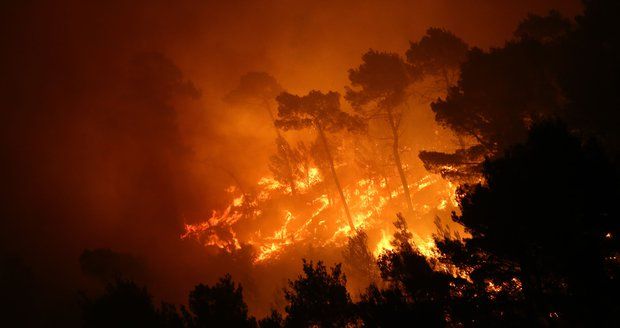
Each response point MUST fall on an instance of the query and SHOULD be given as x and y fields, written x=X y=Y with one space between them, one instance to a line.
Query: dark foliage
x=315 y=110
x=124 y=304
x=255 y=87
x=439 y=53
x=275 y=320
x=379 y=91
x=218 y=306
x=319 y=297
x=416 y=292
x=359 y=262
x=107 y=265
x=461 y=166
x=542 y=252
x=546 y=220
x=499 y=94
x=542 y=246
x=543 y=29
x=322 y=112
x=553 y=68
x=382 y=78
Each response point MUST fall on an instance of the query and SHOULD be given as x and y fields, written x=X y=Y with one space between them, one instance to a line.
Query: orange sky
x=85 y=165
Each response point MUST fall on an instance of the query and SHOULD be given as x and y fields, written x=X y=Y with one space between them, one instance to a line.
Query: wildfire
x=318 y=219
x=384 y=244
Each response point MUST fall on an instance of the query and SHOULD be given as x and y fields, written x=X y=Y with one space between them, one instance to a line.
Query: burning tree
x=322 y=112
x=381 y=83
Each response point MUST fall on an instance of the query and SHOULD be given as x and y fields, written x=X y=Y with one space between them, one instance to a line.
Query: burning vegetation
x=312 y=216
x=343 y=180
x=502 y=212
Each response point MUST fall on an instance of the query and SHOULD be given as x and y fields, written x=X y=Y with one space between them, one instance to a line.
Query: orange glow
x=318 y=222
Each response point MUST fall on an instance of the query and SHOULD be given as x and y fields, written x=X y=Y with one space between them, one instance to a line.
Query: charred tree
x=322 y=112
x=380 y=91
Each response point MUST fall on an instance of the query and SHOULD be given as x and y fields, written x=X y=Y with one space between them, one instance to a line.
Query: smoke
x=113 y=132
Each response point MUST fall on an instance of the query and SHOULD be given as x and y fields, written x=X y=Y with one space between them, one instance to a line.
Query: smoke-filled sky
x=114 y=132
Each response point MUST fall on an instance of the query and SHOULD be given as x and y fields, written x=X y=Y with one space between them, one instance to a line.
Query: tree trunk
x=289 y=169
x=399 y=164
x=335 y=176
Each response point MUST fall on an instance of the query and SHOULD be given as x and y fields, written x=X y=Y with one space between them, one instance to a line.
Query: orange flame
x=320 y=221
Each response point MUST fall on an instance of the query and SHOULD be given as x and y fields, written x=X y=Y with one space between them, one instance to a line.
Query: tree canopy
x=318 y=298
x=438 y=53
x=545 y=216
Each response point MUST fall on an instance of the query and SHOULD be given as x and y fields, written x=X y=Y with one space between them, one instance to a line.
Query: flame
x=384 y=244
x=319 y=220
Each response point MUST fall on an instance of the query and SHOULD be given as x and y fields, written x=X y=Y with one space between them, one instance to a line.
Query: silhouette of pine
x=546 y=221
x=124 y=304
x=439 y=53
x=219 y=305
x=318 y=298
x=415 y=293
x=379 y=91
x=322 y=112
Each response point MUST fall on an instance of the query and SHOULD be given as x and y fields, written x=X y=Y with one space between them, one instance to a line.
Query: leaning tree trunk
x=335 y=176
x=399 y=164
x=289 y=168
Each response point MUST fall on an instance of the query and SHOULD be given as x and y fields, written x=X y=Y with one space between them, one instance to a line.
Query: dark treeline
x=541 y=117
x=543 y=252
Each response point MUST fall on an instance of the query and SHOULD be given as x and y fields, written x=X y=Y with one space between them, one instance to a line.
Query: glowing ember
x=384 y=244
x=318 y=221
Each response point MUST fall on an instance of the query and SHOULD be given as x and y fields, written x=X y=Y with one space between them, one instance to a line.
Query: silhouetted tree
x=124 y=304
x=107 y=265
x=406 y=268
x=372 y=157
x=553 y=68
x=218 y=306
x=499 y=94
x=589 y=73
x=543 y=29
x=415 y=294
x=282 y=163
x=260 y=88
x=21 y=293
x=386 y=308
x=318 y=298
x=359 y=262
x=257 y=88
x=169 y=316
x=461 y=166
x=274 y=320
x=380 y=90
x=438 y=53
x=155 y=79
x=298 y=159
x=322 y=112
x=545 y=224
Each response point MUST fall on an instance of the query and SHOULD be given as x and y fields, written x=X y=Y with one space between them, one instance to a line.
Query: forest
x=509 y=219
